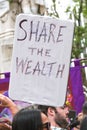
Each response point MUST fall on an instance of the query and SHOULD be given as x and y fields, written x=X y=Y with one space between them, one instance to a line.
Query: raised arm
x=8 y=103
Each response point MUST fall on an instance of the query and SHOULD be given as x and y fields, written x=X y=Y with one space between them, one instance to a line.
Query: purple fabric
x=6 y=93
x=7 y=75
x=4 y=82
x=76 y=83
x=77 y=88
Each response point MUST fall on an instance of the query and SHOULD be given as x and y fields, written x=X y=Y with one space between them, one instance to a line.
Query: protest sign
x=41 y=57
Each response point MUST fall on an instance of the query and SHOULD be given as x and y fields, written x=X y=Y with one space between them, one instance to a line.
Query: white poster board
x=41 y=58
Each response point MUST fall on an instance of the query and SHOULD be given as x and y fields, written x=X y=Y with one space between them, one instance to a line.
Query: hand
x=5 y=124
x=7 y=102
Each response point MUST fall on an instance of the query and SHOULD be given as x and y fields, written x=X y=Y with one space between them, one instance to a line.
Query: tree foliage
x=78 y=13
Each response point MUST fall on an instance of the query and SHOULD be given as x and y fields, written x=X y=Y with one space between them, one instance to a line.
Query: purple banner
x=4 y=82
x=77 y=87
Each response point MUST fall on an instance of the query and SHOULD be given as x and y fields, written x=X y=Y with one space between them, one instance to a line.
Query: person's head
x=27 y=119
x=58 y=116
x=84 y=108
x=83 y=125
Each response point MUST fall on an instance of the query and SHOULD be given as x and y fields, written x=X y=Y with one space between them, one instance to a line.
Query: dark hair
x=83 y=125
x=44 y=109
x=27 y=119
x=84 y=108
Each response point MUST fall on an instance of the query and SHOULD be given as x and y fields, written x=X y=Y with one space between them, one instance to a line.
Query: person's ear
x=51 y=111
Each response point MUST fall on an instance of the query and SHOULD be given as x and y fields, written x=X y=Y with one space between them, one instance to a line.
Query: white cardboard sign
x=41 y=58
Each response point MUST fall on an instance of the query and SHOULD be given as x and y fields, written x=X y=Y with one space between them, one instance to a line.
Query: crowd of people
x=40 y=117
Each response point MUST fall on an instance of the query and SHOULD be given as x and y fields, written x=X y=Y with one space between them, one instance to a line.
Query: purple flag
x=4 y=82
x=77 y=88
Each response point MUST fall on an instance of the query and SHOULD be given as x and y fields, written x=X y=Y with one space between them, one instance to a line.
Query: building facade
x=9 y=9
